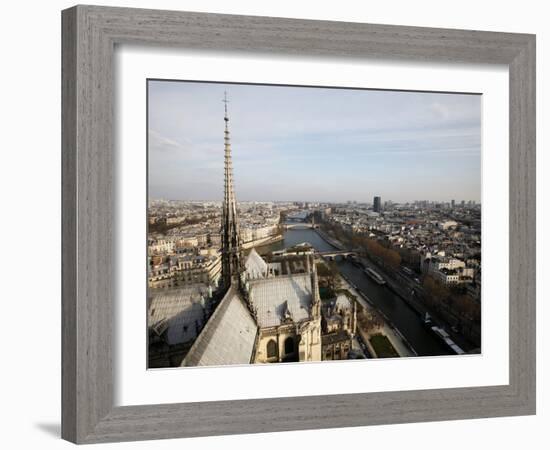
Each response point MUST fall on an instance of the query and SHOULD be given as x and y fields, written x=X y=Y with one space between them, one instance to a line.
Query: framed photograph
x=278 y=224
x=315 y=276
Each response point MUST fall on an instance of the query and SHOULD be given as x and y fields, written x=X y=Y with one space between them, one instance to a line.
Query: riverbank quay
x=263 y=241
x=411 y=293
x=332 y=241
x=394 y=307
x=405 y=292
x=398 y=341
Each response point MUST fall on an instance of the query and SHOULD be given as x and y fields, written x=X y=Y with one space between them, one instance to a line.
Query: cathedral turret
x=316 y=300
x=231 y=245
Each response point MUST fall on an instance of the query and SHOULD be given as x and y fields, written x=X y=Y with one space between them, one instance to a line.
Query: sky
x=313 y=144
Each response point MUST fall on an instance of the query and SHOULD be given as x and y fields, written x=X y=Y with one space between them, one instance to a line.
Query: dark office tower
x=377 y=204
x=452 y=204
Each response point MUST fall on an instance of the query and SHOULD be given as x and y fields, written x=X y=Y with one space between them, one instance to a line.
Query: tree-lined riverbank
x=405 y=320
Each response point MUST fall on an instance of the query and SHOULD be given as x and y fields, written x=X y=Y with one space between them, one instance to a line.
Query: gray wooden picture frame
x=90 y=34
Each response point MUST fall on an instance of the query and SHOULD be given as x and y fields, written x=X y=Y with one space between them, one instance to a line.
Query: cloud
x=160 y=143
x=440 y=110
x=288 y=139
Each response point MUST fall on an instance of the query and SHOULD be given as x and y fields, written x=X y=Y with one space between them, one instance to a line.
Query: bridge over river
x=299 y=225
x=333 y=254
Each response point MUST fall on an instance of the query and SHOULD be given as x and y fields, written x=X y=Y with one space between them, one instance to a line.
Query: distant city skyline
x=313 y=144
x=366 y=202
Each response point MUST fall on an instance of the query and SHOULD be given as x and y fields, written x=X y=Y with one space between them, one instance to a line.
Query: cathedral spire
x=231 y=246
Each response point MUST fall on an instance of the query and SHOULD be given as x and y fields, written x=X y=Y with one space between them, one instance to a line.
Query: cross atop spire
x=226 y=118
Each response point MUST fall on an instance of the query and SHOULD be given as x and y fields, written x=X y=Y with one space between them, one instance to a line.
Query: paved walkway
x=392 y=334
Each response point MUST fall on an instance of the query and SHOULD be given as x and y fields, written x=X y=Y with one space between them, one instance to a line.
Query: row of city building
x=185 y=246
x=446 y=242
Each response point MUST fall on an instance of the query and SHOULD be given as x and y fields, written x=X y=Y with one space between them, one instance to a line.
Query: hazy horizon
x=366 y=202
x=313 y=144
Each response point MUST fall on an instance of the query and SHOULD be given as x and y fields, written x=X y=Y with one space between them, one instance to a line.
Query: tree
x=392 y=258
x=467 y=308
x=437 y=292
x=369 y=320
x=328 y=277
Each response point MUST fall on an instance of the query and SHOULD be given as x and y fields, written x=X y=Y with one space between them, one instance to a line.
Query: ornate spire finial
x=226 y=117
